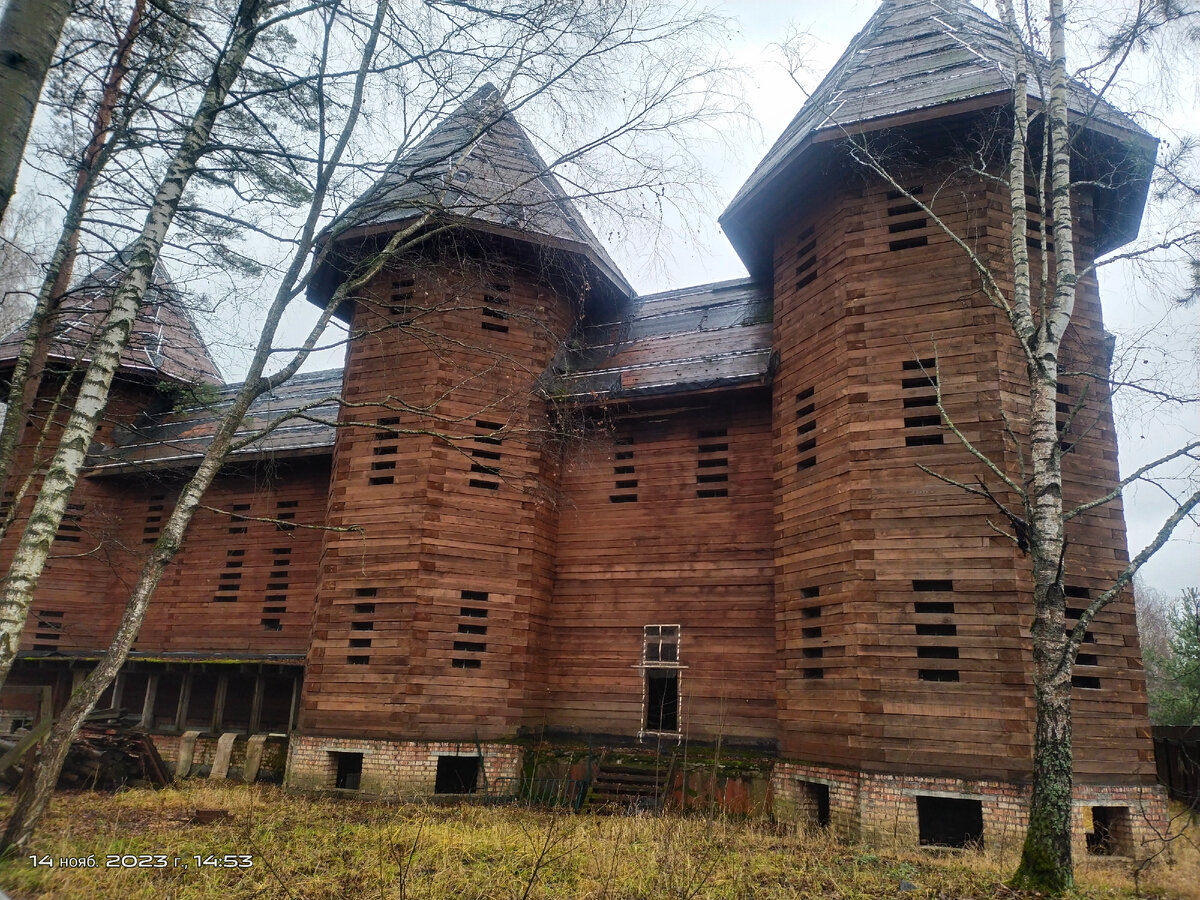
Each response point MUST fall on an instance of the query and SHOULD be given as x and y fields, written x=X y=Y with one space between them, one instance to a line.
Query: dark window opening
x=810 y=633
x=937 y=630
x=662 y=700
x=923 y=364
x=908 y=243
x=937 y=653
x=272 y=625
x=903 y=209
x=1077 y=592
x=806 y=463
x=488 y=485
x=950 y=822
x=349 y=770
x=805 y=427
x=937 y=674
x=492 y=326
x=911 y=225
x=713 y=432
x=814 y=673
x=933 y=584
x=924 y=382
x=467 y=663
x=623 y=498
x=456 y=774
x=362 y=626
x=381 y=479
x=366 y=592
x=1086 y=682
x=814 y=652
x=914 y=402
x=1111 y=833
x=364 y=608
x=809 y=592
x=815 y=800
x=715 y=463
x=360 y=643
x=472 y=612
x=1087 y=659
x=924 y=440
x=806 y=411
x=477 y=596
x=805 y=446
x=922 y=421
x=358 y=660
x=714 y=448
x=712 y=492
x=470 y=647
x=472 y=629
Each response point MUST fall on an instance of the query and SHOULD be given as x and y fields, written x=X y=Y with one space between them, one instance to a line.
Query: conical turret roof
x=914 y=60
x=479 y=166
x=164 y=343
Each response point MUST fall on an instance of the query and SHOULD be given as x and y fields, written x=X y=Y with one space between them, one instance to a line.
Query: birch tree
x=29 y=32
x=1037 y=298
x=548 y=55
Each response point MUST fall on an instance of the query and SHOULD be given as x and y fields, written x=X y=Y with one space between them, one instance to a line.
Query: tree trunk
x=29 y=558
x=1046 y=863
x=25 y=381
x=29 y=33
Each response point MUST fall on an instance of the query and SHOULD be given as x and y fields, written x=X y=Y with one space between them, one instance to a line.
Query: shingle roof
x=703 y=337
x=182 y=436
x=708 y=336
x=164 y=341
x=478 y=165
x=912 y=55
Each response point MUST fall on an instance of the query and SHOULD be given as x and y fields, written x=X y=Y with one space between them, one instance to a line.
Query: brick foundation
x=882 y=809
x=402 y=769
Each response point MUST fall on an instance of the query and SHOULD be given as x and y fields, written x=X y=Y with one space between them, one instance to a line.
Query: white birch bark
x=33 y=549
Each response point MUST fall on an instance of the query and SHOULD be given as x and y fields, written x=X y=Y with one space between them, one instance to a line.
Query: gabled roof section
x=479 y=166
x=164 y=344
x=913 y=57
x=698 y=338
x=305 y=409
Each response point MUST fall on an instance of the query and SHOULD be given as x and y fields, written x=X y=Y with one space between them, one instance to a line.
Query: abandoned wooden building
x=534 y=505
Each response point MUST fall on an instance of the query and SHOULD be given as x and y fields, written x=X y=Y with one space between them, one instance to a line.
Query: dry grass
x=324 y=848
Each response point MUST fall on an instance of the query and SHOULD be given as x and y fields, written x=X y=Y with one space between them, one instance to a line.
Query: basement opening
x=348 y=768
x=950 y=822
x=814 y=803
x=1112 y=833
x=456 y=774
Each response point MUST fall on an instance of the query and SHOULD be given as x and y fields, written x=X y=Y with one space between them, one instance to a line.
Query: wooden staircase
x=630 y=785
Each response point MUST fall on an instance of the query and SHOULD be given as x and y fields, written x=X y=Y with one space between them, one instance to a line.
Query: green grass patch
x=311 y=848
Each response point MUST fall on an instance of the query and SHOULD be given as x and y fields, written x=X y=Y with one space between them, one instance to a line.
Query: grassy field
x=325 y=848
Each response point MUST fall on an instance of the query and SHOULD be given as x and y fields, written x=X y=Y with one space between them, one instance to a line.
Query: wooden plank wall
x=1109 y=701
x=240 y=585
x=922 y=591
x=666 y=520
x=73 y=609
x=425 y=613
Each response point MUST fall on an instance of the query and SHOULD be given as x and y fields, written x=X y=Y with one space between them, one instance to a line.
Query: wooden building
x=534 y=504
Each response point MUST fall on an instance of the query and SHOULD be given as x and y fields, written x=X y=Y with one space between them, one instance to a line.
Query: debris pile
x=108 y=752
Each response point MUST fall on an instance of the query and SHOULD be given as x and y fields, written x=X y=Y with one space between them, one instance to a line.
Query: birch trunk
x=26 y=377
x=34 y=547
x=35 y=793
x=29 y=32
x=1046 y=862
